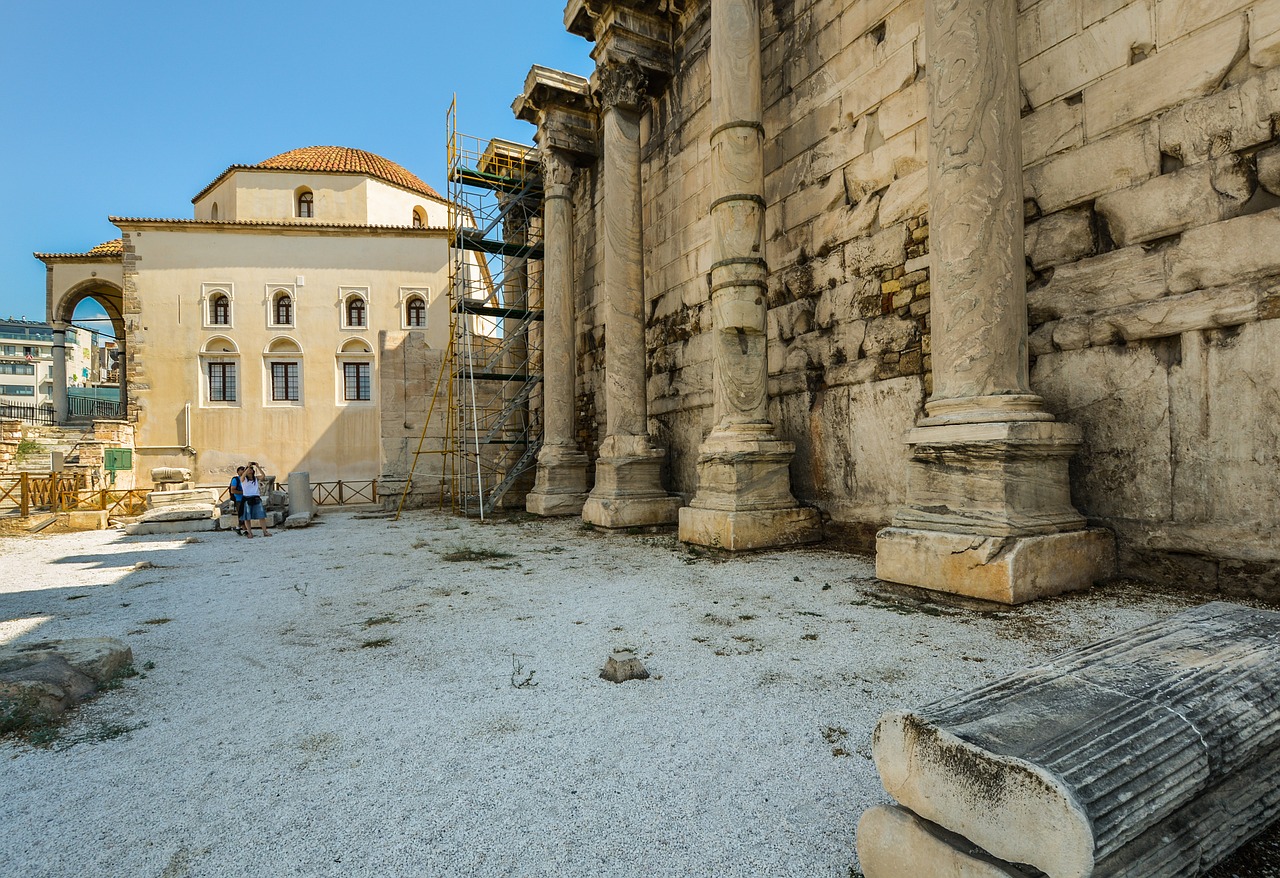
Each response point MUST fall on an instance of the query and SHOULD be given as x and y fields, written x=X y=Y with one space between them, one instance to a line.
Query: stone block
x=1268 y=162
x=183 y=512
x=905 y=198
x=1264 y=34
x=83 y=519
x=1114 y=162
x=1045 y=25
x=158 y=499
x=1230 y=252
x=1007 y=570
x=1060 y=237
x=1227 y=121
x=1119 y=397
x=52 y=683
x=99 y=658
x=894 y=843
x=1152 y=753
x=746 y=530
x=1177 y=18
x=1175 y=73
x=1093 y=53
x=622 y=666
x=1050 y=129
x=1096 y=284
x=142 y=528
x=1196 y=196
x=867 y=255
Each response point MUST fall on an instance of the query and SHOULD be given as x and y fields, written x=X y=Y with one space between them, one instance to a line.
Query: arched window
x=355 y=365
x=283 y=310
x=220 y=310
x=355 y=312
x=284 y=372
x=220 y=362
x=415 y=313
x=419 y=218
x=213 y=212
x=306 y=204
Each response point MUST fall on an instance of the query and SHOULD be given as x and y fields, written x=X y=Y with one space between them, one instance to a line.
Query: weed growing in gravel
x=519 y=679
x=376 y=644
x=379 y=620
x=467 y=553
x=159 y=620
x=117 y=680
x=420 y=544
x=21 y=715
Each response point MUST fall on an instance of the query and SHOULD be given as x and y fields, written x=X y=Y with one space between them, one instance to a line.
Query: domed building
x=261 y=327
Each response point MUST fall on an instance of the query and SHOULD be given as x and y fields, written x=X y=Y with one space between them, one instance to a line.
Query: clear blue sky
x=130 y=109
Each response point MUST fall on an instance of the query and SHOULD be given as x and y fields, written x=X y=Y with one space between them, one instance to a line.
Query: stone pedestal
x=628 y=489
x=988 y=509
x=560 y=487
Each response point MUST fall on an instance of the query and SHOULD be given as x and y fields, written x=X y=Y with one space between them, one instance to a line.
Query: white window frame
x=273 y=291
x=344 y=296
x=207 y=292
x=212 y=356
x=347 y=354
x=292 y=355
x=407 y=293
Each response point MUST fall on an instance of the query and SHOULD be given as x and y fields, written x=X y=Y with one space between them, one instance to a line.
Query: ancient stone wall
x=1152 y=173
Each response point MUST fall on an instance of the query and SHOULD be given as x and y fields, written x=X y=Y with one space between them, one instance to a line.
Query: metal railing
x=32 y=414
x=88 y=407
x=340 y=493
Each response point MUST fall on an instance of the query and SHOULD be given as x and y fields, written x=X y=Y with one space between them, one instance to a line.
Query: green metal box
x=117 y=459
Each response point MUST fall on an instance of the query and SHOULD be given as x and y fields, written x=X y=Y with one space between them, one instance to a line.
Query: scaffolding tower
x=494 y=427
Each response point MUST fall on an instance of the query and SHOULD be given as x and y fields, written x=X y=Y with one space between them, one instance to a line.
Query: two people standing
x=246 y=490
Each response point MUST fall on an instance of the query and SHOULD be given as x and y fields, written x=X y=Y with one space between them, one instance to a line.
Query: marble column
x=628 y=489
x=561 y=484
x=59 y=353
x=988 y=510
x=744 y=496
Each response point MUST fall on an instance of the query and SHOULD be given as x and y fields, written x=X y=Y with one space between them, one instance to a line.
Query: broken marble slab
x=1064 y=765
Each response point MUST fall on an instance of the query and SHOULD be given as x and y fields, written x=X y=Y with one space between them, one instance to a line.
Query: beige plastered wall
x=170 y=273
x=1153 y=234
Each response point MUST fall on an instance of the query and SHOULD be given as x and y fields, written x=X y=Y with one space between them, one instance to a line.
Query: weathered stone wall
x=10 y=439
x=1153 y=262
x=409 y=378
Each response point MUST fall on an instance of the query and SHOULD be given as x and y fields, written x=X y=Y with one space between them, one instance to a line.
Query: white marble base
x=894 y=843
x=752 y=529
x=628 y=490
x=1008 y=570
x=630 y=511
x=560 y=487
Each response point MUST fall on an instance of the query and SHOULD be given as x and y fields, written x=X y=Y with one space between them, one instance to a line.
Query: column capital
x=621 y=85
x=626 y=31
x=557 y=171
x=560 y=105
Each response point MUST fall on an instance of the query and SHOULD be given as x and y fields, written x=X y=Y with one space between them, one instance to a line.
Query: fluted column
x=561 y=484
x=628 y=490
x=988 y=509
x=59 y=353
x=744 y=496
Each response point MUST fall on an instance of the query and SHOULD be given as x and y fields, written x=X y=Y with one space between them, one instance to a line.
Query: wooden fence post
x=340 y=500
x=24 y=495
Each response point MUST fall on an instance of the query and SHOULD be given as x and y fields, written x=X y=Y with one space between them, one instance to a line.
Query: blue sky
x=130 y=109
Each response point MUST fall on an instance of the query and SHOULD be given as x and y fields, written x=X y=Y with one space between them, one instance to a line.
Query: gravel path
x=343 y=701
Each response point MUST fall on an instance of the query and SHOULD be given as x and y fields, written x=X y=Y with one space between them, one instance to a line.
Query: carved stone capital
x=622 y=85
x=557 y=170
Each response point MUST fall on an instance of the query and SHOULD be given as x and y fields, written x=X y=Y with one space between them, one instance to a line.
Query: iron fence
x=32 y=414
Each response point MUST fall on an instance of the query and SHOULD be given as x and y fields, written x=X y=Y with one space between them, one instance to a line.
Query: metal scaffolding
x=495 y=296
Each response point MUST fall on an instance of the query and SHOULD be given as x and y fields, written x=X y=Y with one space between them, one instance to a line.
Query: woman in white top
x=253 y=510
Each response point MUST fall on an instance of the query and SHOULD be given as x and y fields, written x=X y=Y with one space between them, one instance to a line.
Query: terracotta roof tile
x=335 y=160
x=107 y=249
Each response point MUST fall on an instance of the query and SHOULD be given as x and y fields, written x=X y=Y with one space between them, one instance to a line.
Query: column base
x=746 y=530
x=628 y=490
x=893 y=842
x=1004 y=569
x=560 y=487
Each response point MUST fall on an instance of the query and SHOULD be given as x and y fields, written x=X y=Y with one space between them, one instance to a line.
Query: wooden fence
x=26 y=493
x=340 y=493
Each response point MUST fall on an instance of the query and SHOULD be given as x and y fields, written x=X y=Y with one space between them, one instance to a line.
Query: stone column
x=561 y=484
x=628 y=490
x=59 y=353
x=988 y=509
x=744 y=496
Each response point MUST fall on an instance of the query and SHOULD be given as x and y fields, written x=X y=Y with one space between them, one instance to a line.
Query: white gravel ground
x=267 y=738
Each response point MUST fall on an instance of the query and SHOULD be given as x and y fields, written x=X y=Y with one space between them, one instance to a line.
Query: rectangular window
x=17 y=369
x=356 y=381
x=16 y=390
x=284 y=382
x=222 y=382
